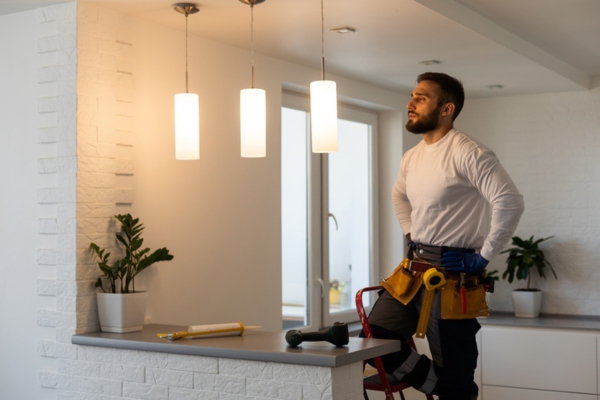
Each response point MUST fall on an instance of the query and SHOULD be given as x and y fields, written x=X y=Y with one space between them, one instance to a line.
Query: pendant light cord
x=252 y=40
x=186 y=52
x=322 y=43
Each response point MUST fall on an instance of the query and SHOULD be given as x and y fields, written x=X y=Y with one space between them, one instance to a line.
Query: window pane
x=294 y=218
x=349 y=210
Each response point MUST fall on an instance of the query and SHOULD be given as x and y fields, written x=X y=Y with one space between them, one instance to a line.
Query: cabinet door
x=545 y=359
x=505 y=393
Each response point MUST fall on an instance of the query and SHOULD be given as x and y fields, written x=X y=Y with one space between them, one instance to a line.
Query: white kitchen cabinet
x=549 y=360
x=508 y=393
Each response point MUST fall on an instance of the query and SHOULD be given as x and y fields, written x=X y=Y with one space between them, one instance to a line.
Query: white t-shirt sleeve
x=484 y=171
x=402 y=206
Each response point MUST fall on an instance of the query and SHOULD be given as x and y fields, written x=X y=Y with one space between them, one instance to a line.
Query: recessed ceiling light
x=343 y=29
x=430 y=62
x=494 y=86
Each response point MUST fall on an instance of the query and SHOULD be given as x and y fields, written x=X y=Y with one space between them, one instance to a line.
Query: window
x=328 y=217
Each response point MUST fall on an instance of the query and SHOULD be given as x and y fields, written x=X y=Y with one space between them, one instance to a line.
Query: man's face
x=423 y=108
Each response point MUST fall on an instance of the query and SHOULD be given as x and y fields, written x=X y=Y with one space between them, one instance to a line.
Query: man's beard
x=425 y=124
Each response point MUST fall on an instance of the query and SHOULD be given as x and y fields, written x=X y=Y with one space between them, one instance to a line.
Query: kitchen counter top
x=551 y=321
x=253 y=345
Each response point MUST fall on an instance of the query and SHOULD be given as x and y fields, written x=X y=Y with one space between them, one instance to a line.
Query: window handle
x=322 y=284
x=334 y=220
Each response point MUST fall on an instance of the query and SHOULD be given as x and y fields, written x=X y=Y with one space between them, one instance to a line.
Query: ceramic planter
x=527 y=303
x=121 y=312
x=488 y=299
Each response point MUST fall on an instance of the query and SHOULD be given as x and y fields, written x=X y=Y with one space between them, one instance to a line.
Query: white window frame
x=318 y=289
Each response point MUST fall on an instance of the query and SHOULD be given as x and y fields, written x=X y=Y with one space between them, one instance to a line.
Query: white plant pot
x=527 y=304
x=121 y=312
x=488 y=300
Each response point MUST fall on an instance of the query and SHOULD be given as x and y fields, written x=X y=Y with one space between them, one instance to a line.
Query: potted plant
x=120 y=307
x=524 y=258
x=335 y=291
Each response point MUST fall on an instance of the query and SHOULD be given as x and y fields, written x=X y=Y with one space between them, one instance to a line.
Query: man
x=457 y=207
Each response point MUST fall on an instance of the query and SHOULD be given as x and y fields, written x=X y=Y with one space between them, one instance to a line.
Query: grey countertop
x=272 y=347
x=253 y=345
x=552 y=321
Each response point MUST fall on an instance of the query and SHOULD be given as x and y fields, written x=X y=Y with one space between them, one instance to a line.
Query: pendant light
x=323 y=107
x=253 y=120
x=187 y=111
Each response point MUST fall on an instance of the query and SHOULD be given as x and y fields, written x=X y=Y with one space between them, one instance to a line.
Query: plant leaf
x=523 y=257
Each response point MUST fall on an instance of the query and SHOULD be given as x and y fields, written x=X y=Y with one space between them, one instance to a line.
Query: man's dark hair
x=452 y=90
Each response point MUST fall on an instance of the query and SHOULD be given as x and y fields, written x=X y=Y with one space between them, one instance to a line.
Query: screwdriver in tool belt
x=463 y=293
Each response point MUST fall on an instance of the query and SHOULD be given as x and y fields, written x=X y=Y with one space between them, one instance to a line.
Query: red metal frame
x=385 y=386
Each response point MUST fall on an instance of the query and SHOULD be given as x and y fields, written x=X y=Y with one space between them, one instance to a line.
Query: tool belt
x=403 y=284
x=462 y=296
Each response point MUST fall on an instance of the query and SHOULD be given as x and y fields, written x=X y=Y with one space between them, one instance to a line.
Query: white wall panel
x=539 y=359
x=21 y=278
x=504 y=393
x=550 y=146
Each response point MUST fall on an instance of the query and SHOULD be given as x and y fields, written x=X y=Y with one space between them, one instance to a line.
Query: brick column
x=86 y=105
x=57 y=138
x=104 y=122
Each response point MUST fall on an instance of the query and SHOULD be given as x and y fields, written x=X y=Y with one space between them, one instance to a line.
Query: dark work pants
x=452 y=343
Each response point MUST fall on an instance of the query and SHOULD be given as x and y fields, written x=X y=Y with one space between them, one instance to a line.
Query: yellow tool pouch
x=403 y=284
x=471 y=303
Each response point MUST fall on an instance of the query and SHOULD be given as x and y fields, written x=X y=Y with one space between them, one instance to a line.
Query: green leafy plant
x=526 y=255
x=492 y=275
x=136 y=259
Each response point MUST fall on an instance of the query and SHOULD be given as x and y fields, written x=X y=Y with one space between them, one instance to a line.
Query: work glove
x=411 y=248
x=458 y=261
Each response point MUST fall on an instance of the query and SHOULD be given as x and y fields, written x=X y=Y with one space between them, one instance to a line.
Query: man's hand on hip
x=458 y=261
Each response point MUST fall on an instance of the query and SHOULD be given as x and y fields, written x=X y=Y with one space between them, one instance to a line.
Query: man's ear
x=448 y=110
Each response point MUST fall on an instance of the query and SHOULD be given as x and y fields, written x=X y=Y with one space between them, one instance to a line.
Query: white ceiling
x=528 y=46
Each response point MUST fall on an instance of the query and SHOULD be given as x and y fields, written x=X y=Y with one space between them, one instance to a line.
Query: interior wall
x=20 y=211
x=221 y=215
x=391 y=148
x=550 y=146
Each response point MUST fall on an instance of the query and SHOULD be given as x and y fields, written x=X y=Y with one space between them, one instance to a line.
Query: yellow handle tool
x=433 y=279
x=425 y=311
x=233 y=329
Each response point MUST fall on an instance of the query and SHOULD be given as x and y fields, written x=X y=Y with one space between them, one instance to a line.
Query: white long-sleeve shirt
x=455 y=193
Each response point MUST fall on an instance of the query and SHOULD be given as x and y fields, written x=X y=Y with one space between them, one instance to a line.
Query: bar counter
x=257 y=364
x=252 y=345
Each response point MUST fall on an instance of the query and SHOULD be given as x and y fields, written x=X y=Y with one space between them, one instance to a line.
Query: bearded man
x=457 y=207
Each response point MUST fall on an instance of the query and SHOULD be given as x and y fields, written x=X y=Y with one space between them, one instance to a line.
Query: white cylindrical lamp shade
x=187 y=126
x=323 y=116
x=253 y=123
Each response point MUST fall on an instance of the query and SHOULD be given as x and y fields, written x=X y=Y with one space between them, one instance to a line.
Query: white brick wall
x=103 y=52
x=56 y=136
x=103 y=373
x=85 y=109
x=550 y=145
x=103 y=122
x=101 y=37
